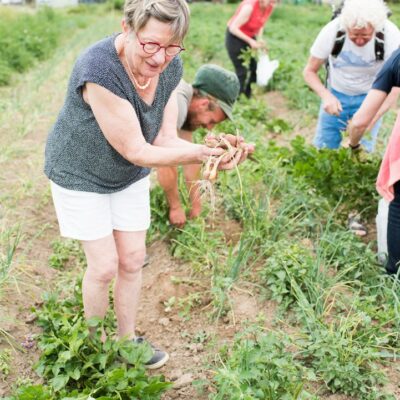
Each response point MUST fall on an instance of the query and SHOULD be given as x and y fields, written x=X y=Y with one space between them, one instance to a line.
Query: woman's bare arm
x=365 y=114
x=120 y=126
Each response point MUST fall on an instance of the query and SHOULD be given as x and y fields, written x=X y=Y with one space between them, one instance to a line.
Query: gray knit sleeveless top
x=78 y=156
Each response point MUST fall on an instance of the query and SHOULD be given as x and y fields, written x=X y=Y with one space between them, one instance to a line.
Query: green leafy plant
x=64 y=251
x=186 y=304
x=259 y=366
x=288 y=261
x=345 y=252
x=75 y=363
x=278 y=125
x=9 y=240
x=197 y=244
x=26 y=37
x=159 y=214
x=5 y=359
x=334 y=174
x=344 y=355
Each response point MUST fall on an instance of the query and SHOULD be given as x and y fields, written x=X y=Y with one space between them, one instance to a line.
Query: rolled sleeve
x=389 y=75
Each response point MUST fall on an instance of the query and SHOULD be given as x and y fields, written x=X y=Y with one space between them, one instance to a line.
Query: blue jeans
x=330 y=127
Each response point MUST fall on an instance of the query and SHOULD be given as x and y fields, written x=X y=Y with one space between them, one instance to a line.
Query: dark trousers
x=246 y=77
x=393 y=232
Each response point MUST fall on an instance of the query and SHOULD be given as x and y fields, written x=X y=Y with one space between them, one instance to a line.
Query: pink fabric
x=257 y=18
x=389 y=172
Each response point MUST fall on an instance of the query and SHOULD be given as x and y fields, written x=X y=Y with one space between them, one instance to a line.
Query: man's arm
x=310 y=73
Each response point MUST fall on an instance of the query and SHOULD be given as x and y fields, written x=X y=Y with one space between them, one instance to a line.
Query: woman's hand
x=254 y=44
x=234 y=151
x=239 y=143
x=263 y=45
x=205 y=152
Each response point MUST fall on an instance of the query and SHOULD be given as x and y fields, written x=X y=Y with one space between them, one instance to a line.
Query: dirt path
x=302 y=124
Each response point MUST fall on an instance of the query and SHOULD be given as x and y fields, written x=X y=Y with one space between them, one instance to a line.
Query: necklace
x=141 y=87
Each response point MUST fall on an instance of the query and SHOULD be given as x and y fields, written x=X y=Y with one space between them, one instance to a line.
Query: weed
x=5 y=359
x=345 y=252
x=288 y=262
x=76 y=363
x=335 y=175
x=196 y=244
x=169 y=304
x=201 y=337
x=30 y=392
x=64 y=251
x=159 y=226
x=227 y=272
x=9 y=240
x=278 y=125
x=186 y=304
x=343 y=355
x=259 y=366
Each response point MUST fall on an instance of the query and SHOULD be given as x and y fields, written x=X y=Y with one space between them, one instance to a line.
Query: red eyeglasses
x=153 y=47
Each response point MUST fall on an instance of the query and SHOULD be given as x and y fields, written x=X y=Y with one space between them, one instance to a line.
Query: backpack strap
x=380 y=45
x=339 y=42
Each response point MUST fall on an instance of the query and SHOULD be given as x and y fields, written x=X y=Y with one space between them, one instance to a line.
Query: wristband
x=355 y=147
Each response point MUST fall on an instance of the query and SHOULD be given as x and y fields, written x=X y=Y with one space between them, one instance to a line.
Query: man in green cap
x=205 y=103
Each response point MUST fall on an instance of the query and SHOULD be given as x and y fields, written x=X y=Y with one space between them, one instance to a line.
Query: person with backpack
x=354 y=46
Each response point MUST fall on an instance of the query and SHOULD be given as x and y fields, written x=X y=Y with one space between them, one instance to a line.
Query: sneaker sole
x=158 y=364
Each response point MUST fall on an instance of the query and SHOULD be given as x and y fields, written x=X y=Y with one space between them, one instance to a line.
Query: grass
x=9 y=241
x=9 y=276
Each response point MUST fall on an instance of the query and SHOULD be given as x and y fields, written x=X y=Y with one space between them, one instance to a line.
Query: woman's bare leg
x=102 y=266
x=131 y=248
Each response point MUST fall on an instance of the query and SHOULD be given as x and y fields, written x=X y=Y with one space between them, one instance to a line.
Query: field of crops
x=267 y=296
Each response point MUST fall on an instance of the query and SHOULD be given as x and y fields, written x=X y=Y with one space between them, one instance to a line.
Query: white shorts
x=91 y=216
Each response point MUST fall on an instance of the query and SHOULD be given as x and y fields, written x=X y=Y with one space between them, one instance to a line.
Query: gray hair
x=361 y=13
x=174 y=12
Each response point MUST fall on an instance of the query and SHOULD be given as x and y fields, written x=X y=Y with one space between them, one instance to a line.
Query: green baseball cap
x=219 y=83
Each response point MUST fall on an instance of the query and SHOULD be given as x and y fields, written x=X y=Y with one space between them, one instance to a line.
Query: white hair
x=361 y=13
x=174 y=12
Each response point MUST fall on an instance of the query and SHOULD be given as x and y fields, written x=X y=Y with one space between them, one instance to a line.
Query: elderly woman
x=355 y=45
x=118 y=120
x=384 y=93
x=245 y=31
